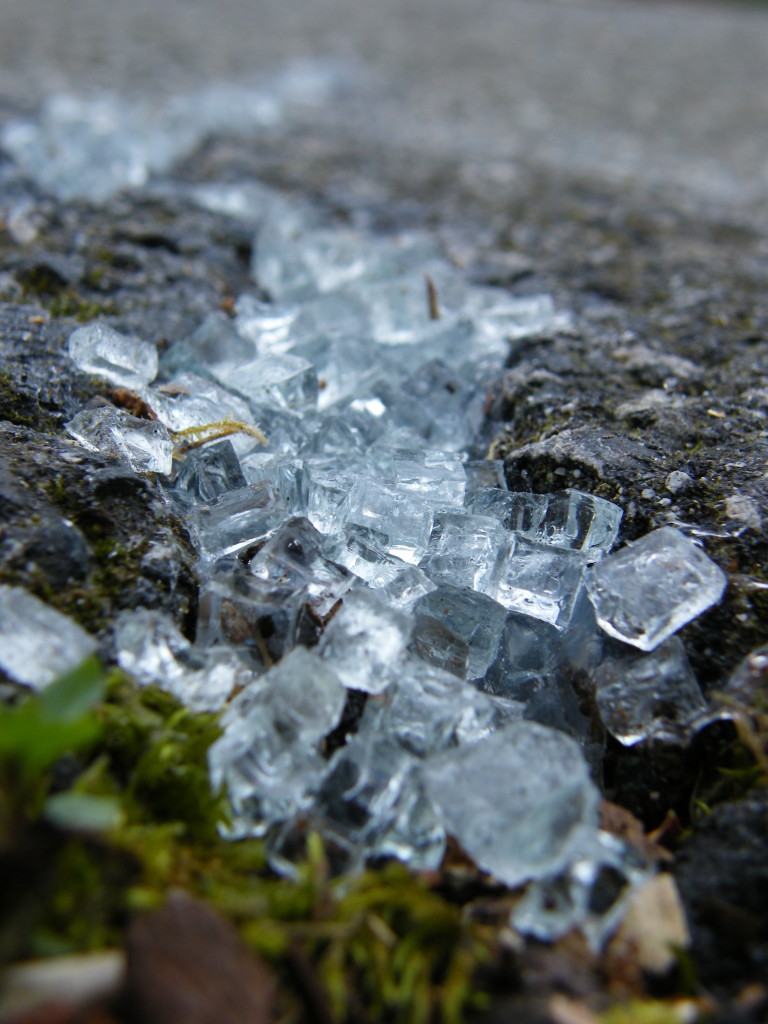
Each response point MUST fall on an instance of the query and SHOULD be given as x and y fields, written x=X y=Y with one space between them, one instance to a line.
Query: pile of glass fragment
x=365 y=577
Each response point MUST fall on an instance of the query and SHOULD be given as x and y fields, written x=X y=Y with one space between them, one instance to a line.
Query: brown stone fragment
x=188 y=965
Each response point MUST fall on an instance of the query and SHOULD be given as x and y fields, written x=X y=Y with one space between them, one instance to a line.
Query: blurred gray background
x=644 y=90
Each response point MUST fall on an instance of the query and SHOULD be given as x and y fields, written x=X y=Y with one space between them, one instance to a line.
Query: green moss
x=641 y=1011
x=68 y=303
x=384 y=945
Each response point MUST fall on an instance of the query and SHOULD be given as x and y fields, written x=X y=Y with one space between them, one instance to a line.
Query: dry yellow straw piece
x=193 y=437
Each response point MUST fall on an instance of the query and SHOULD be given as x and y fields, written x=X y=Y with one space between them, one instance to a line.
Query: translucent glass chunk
x=400 y=309
x=266 y=325
x=300 y=263
x=364 y=642
x=458 y=630
x=466 y=551
x=372 y=803
x=127 y=362
x=37 y=643
x=334 y=439
x=515 y=510
x=591 y=894
x=650 y=589
x=267 y=755
x=649 y=696
x=389 y=520
x=541 y=581
x=748 y=683
x=428 y=710
x=398 y=583
x=403 y=588
x=237 y=519
x=151 y=648
x=329 y=484
x=567 y=519
x=287 y=478
x=581 y=521
x=144 y=444
x=485 y=473
x=277 y=381
x=246 y=201
x=501 y=315
x=215 y=343
x=335 y=315
x=293 y=557
x=207 y=473
x=189 y=401
x=344 y=366
x=529 y=648
x=515 y=801
x=259 y=618
x=435 y=477
x=439 y=403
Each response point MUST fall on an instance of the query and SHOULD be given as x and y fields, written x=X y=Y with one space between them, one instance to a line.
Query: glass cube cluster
x=366 y=577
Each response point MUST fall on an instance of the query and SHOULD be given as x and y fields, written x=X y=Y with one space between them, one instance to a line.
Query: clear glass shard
x=651 y=588
x=529 y=649
x=591 y=894
x=581 y=521
x=436 y=477
x=515 y=802
x=265 y=325
x=334 y=439
x=428 y=710
x=344 y=367
x=293 y=556
x=441 y=404
x=144 y=444
x=398 y=583
x=189 y=401
x=488 y=473
x=541 y=581
x=206 y=474
x=393 y=522
x=329 y=484
x=652 y=696
x=747 y=686
x=127 y=362
x=371 y=802
x=517 y=511
x=497 y=314
x=215 y=343
x=37 y=643
x=299 y=263
x=458 y=630
x=568 y=519
x=288 y=478
x=152 y=649
x=237 y=519
x=466 y=551
x=259 y=618
x=365 y=641
x=275 y=381
x=267 y=754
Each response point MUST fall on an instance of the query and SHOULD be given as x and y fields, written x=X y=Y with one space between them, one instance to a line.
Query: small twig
x=433 y=302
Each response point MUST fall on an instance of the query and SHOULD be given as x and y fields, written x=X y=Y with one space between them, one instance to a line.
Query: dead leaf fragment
x=187 y=964
x=653 y=926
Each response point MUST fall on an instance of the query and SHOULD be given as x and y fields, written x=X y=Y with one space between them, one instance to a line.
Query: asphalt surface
x=672 y=94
